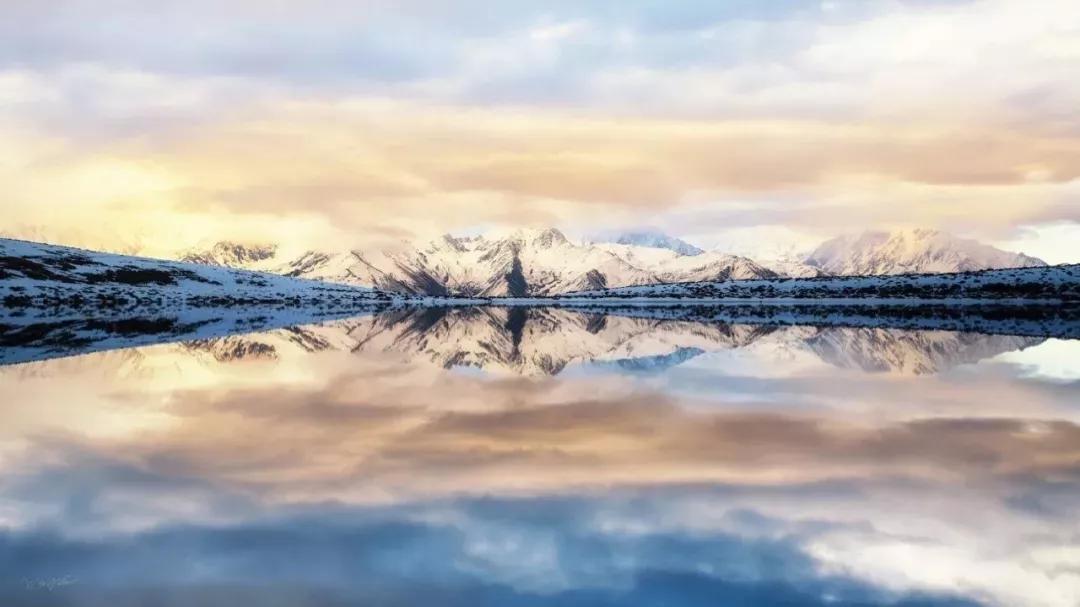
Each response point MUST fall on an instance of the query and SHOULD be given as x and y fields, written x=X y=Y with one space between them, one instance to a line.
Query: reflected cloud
x=595 y=460
x=480 y=552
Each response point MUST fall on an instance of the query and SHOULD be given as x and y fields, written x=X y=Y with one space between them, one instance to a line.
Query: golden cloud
x=364 y=168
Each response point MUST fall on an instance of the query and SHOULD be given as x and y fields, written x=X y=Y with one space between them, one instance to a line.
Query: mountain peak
x=455 y=243
x=657 y=240
x=232 y=254
x=917 y=250
x=544 y=237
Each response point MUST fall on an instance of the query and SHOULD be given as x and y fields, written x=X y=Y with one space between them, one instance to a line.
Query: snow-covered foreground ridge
x=35 y=274
x=1055 y=283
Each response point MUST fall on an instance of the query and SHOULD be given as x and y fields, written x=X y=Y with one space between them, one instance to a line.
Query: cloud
x=1053 y=241
x=191 y=474
x=330 y=441
x=905 y=60
x=399 y=558
x=380 y=166
x=358 y=121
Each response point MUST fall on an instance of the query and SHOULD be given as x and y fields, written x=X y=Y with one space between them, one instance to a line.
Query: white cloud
x=558 y=31
x=1057 y=242
x=821 y=117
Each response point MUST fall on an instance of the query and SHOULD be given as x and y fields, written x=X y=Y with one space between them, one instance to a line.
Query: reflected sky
x=537 y=457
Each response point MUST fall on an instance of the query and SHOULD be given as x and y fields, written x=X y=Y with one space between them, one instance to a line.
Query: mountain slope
x=35 y=274
x=779 y=249
x=911 y=252
x=524 y=263
x=668 y=266
x=544 y=262
x=1055 y=283
x=520 y=263
x=654 y=240
x=791 y=268
x=233 y=255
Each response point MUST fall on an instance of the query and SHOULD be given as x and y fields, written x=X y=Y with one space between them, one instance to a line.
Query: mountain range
x=917 y=251
x=531 y=262
x=521 y=263
x=47 y=278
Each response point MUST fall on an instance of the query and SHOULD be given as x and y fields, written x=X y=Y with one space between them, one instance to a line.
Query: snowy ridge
x=792 y=268
x=35 y=274
x=234 y=255
x=534 y=263
x=781 y=250
x=520 y=263
x=918 y=251
x=652 y=240
x=1039 y=283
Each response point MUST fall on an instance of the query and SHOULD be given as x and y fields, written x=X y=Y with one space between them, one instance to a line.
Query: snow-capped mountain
x=669 y=266
x=918 y=251
x=234 y=255
x=42 y=275
x=780 y=249
x=792 y=268
x=533 y=262
x=653 y=240
x=521 y=263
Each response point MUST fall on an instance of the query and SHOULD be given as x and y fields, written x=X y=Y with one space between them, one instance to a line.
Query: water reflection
x=546 y=341
x=535 y=457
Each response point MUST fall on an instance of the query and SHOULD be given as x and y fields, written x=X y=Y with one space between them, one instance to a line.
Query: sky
x=159 y=126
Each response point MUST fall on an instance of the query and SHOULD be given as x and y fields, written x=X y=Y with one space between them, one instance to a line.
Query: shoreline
x=38 y=334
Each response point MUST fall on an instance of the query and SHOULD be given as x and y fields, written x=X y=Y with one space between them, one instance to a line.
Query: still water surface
x=480 y=456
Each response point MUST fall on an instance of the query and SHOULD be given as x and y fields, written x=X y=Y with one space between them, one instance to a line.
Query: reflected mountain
x=653 y=364
x=530 y=341
x=595 y=459
x=909 y=352
x=41 y=335
x=546 y=341
x=309 y=465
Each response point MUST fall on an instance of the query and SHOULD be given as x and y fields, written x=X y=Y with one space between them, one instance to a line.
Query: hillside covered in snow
x=533 y=263
x=37 y=275
x=652 y=239
x=919 y=251
x=523 y=263
x=1039 y=283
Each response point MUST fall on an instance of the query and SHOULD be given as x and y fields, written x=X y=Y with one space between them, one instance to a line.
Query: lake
x=538 y=456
